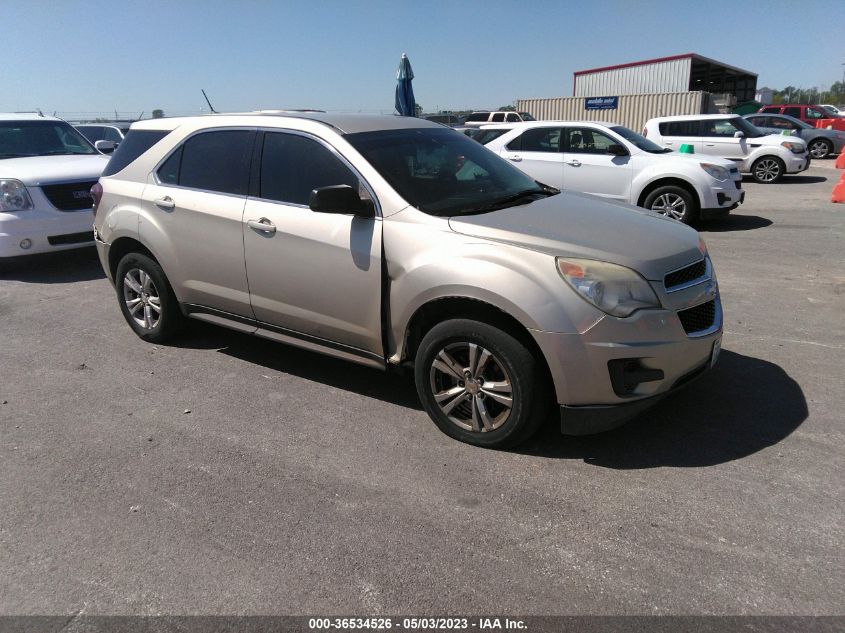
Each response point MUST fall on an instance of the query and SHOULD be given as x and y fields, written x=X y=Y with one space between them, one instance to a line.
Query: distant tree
x=158 y=114
x=507 y=108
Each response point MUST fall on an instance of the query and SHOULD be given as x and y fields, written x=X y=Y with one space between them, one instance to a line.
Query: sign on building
x=601 y=103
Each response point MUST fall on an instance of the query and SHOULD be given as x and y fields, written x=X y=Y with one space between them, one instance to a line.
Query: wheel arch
x=672 y=181
x=123 y=245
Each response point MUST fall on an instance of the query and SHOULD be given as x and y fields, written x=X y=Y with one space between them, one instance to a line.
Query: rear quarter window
x=136 y=143
x=679 y=128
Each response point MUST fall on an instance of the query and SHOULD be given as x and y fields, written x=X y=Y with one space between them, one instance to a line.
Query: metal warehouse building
x=680 y=73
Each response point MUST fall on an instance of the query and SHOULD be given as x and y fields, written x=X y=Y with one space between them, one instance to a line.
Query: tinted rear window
x=680 y=128
x=217 y=161
x=136 y=143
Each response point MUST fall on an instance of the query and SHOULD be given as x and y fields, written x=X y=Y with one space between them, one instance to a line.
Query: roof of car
x=528 y=124
x=26 y=116
x=695 y=117
x=343 y=123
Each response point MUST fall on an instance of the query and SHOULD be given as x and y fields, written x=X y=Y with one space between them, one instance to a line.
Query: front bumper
x=42 y=230
x=796 y=163
x=653 y=343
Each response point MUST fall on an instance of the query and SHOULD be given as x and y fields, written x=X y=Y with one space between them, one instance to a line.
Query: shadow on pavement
x=742 y=406
x=54 y=268
x=791 y=180
x=734 y=223
x=389 y=387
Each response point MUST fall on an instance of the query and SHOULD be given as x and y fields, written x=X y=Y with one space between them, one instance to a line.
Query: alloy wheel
x=471 y=386
x=819 y=149
x=671 y=205
x=142 y=298
x=767 y=170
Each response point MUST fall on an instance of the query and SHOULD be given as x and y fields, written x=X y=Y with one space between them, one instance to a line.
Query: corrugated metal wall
x=633 y=110
x=668 y=76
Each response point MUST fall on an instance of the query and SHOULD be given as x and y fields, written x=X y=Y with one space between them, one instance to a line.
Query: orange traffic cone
x=838 y=194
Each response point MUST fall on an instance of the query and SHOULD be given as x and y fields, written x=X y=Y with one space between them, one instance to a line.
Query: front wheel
x=479 y=384
x=673 y=202
x=767 y=170
x=146 y=299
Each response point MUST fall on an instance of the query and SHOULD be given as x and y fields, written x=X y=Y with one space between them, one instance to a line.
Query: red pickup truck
x=814 y=115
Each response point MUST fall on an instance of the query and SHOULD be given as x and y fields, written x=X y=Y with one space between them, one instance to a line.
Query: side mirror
x=617 y=150
x=341 y=199
x=739 y=134
x=105 y=147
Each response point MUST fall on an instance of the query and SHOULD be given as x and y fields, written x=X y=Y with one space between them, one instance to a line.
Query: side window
x=721 y=128
x=812 y=113
x=513 y=117
x=92 y=133
x=112 y=134
x=293 y=165
x=793 y=111
x=168 y=173
x=584 y=140
x=498 y=117
x=775 y=121
x=679 y=128
x=136 y=143
x=538 y=139
x=217 y=161
x=478 y=116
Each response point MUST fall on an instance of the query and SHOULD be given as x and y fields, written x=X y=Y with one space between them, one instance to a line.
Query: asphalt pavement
x=228 y=475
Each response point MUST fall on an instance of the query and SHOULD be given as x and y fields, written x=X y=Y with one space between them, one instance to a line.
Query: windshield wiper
x=520 y=197
x=62 y=152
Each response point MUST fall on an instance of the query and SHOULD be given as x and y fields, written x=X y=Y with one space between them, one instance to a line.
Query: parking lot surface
x=229 y=475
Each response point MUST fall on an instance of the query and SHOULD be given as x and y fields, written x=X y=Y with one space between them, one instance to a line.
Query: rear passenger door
x=311 y=275
x=590 y=168
x=539 y=153
x=193 y=219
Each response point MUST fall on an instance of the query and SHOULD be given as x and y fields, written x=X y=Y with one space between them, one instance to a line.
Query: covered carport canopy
x=714 y=77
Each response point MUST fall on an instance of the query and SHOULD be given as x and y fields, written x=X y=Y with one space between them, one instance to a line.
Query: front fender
x=647 y=177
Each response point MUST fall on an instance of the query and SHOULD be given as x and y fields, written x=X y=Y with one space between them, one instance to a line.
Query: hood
x=694 y=158
x=774 y=139
x=34 y=171
x=581 y=225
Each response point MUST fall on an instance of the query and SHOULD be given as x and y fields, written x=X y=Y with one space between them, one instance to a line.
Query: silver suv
x=392 y=241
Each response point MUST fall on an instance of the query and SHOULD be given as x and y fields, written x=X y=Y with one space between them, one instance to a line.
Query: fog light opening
x=25 y=243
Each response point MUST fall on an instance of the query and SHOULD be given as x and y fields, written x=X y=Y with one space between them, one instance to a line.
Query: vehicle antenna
x=210 y=107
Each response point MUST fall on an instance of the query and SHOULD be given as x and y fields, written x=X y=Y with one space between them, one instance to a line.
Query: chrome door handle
x=574 y=163
x=710 y=145
x=264 y=225
x=515 y=159
x=165 y=203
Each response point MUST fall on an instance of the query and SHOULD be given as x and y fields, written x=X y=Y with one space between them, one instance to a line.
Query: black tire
x=767 y=170
x=169 y=318
x=820 y=148
x=673 y=202
x=511 y=367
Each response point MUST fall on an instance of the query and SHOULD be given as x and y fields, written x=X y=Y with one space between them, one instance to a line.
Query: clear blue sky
x=100 y=56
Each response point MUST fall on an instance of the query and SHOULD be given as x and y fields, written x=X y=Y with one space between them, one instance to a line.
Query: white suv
x=767 y=157
x=47 y=169
x=612 y=161
x=477 y=119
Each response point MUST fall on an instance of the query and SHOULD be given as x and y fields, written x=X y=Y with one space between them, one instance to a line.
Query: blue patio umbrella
x=405 y=104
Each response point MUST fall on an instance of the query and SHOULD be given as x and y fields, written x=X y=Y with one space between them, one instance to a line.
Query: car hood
x=774 y=139
x=580 y=225
x=35 y=171
x=693 y=158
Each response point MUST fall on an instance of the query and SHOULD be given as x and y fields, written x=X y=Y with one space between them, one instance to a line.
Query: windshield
x=444 y=173
x=41 y=138
x=526 y=117
x=485 y=136
x=639 y=140
x=744 y=126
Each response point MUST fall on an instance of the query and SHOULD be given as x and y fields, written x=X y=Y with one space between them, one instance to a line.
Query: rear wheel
x=479 y=384
x=767 y=169
x=146 y=298
x=673 y=202
x=820 y=148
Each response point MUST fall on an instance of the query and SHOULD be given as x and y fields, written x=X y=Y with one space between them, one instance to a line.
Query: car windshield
x=485 y=136
x=744 y=126
x=444 y=173
x=41 y=138
x=526 y=117
x=639 y=140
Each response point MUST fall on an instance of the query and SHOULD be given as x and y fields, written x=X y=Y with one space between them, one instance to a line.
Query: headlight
x=613 y=289
x=719 y=173
x=795 y=148
x=14 y=196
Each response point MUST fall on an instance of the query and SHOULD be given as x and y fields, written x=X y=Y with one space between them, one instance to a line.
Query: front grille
x=685 y=275
x=73 y=196
x=699 y=318
x=71 y=238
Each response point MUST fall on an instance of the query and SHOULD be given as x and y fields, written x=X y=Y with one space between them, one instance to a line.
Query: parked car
x=609 y=160
x=111 y=135
x=814 y=115
x=392 y=241
x=832 y=109
x=471 y=132
x=767 y=157
x=487 y=133
x=47 y=170
x=477 y=119
x=452 y=120
x=821 y=143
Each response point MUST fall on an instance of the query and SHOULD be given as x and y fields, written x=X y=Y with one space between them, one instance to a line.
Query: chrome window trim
x=707 y=276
